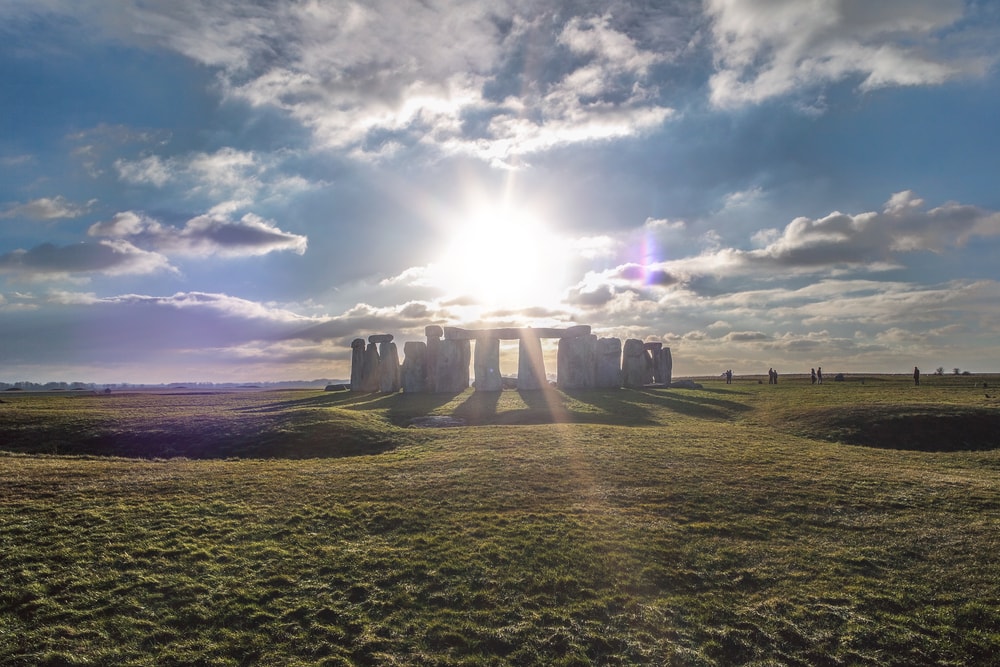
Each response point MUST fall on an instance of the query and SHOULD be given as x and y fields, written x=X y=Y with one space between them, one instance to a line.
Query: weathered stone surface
x=380 y=338
x=654 y=350
x=357 y=363
x=486 y=365
x=433 y=331
x=388 y=369
x=414 y=371
x=634 y=363
x=530 y=364
x=666 y=366
x=608 y=363
x=577 y=362
x=369 y=379
x=452 y=367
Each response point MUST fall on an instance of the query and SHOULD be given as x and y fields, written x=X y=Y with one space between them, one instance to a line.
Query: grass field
x=853 y=523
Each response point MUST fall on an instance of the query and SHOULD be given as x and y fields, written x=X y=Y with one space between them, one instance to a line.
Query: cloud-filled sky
x=233 y=190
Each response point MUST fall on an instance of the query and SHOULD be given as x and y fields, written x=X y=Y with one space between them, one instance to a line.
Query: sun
x=501 y=257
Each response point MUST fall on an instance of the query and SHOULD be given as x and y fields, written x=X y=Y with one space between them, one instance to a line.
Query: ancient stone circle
x=441 y=365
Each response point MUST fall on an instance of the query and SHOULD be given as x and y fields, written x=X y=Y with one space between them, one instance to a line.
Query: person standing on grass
x=812 y=373
x=916 y=376
x=819 y=375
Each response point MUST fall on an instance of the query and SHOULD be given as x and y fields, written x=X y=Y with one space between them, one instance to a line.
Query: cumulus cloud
x=872 y=240
x=495 y=80
x=768 y=48
x=202 y=236
x=48 y=208
x=902 y=226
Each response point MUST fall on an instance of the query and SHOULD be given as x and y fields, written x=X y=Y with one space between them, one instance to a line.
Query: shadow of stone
x=693 y=405
x=479 y=408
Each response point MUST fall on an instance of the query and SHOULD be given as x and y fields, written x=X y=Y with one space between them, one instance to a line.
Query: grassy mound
x=202 y=426
x=927 y=428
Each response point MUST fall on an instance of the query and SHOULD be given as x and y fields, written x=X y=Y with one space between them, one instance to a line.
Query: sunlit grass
x=646 y=526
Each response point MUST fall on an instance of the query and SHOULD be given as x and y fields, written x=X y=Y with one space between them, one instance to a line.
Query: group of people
x=815 y=374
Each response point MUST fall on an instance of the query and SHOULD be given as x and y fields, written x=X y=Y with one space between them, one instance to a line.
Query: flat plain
x=849 y=523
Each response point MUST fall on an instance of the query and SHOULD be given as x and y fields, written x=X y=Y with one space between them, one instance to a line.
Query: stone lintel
x=653 y=346
x=433 y=331
x=380 y=338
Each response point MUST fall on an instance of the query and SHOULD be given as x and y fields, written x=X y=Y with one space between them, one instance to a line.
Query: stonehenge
x=441 y=364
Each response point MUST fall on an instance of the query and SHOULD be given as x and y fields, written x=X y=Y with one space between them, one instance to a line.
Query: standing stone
x=388 y=368
x=487 y=365
x=357 y=363
x=530 y=363
x=608 y=363
x=666 y=367
x=433 y=333
x=452 y=369
x=414 y=373
x=576 y=362
x=634 y=363
x=654 y=351
x=369 y=380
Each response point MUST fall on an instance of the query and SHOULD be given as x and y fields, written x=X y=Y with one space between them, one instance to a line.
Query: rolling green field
x=853 y=523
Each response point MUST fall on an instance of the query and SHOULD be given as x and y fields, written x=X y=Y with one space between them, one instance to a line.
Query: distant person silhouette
x=819 y=375
x=812 y=373
x=916 y=376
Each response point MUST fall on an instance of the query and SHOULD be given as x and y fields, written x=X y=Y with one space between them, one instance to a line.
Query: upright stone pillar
x=608 y=363
x=634 y=363
x=576 y=362
x=453 y=359
x=414 y=372
x=369 y=381
x=666 y=367
x=433 y=333
x=357 y=363
x=388 y=369
x=487 y=365
x=530 y=363
x=654 y=351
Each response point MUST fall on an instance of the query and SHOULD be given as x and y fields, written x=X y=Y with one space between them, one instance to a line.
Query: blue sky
x=233 y=191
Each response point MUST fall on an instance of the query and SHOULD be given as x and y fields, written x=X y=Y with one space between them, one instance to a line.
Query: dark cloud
x=203 y=236
x=745 y=336
x=594 y=298
x=105 y=257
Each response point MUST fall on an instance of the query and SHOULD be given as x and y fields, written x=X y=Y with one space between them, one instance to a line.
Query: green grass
x=737 y=524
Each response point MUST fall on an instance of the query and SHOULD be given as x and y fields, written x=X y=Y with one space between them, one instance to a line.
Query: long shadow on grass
x=632 y=406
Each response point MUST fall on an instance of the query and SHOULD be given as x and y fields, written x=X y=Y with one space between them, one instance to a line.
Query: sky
x=233 y=190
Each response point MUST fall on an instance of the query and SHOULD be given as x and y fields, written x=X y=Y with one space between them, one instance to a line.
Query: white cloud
x=205 y=235
x=767 y=48
x=493 y=80
x=150 y=170
x=48 y=208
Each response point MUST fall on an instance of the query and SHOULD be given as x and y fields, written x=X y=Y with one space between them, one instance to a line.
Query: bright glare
x=504 y=259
